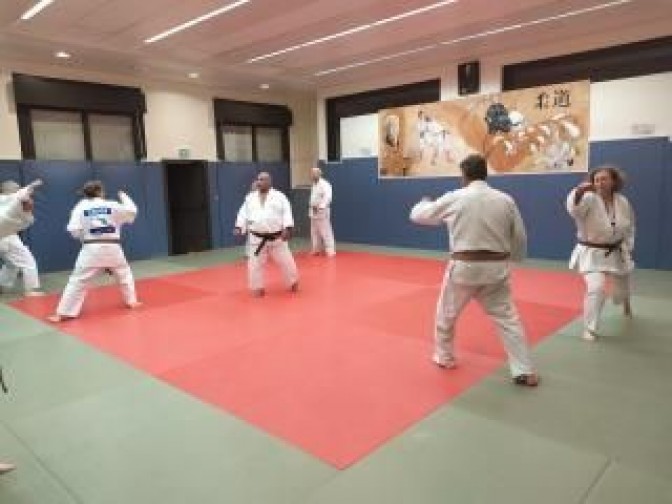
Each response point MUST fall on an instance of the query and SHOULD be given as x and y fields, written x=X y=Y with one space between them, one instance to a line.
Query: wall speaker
x=469 y=78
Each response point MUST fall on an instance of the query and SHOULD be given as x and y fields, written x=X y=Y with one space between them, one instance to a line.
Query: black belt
x=265 y=238
x=116 y=241
x=609 y=247
x=2 y=383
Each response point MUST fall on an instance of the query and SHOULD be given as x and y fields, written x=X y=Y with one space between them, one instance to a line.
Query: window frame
x=46 y=93
x=27 y=136
x=136 y=133
x=284 y=139
x=255 y=115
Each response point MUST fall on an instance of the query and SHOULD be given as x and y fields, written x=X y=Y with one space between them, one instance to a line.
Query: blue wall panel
x=215 y=218
x=54 y=248
x=375 y=211
x=156 y=211
x=365 y=209
x=541 y=199
x=233 y=183
x=51 y=244
x=665 y=218
x=10 y=170
x=300 y=198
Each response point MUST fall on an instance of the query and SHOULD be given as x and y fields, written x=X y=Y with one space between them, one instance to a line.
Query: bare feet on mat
x=5 y=467
x=56 y=318
x=527 y=380
x=444 y=362
x=589 y=335
x=35 y=293
x=133 y=305
x=294 y=287
x=259 y=293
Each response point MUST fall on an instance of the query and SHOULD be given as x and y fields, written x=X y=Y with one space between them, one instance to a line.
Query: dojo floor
x=352 y=412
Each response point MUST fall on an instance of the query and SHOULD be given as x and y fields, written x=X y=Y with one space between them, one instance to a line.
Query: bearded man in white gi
x=605 y=223
x=267 y=216
x=486 y=232
x=321 y=232
x=16 y=256
x=15 y=214
x=97 y=222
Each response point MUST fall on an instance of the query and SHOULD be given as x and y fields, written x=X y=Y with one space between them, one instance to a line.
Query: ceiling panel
x=108 y=35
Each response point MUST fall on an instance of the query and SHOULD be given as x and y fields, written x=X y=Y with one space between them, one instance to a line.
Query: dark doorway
x=188 y=206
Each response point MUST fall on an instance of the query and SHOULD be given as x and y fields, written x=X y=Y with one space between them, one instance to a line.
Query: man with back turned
x=486 y=233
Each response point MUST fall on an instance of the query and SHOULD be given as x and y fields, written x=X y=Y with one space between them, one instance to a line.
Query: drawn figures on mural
x=533 y=130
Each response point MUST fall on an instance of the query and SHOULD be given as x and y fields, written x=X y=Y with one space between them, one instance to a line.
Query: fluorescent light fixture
x=193 y=75
x=62 y=55
x=195 y=21
x=355 y=29
x=487 y=33
x=548 y=19
x=265 y=86
x=36 y=9
x=375 y=60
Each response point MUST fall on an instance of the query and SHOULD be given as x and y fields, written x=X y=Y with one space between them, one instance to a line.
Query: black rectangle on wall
x=249 y=113
x=42 y=92
x=611 y=63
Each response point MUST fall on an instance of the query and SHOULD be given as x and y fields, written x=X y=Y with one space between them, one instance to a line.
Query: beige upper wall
x=10 y=148
x=178 y=116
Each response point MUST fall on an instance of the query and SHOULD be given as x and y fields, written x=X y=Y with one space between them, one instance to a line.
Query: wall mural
x=537 y=130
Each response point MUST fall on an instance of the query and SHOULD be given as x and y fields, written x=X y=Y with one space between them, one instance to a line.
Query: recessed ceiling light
x=487 y=33
x=36 y=9
x=194 y=75
x=355 y=29
x=195 y=21
x=265 y=86
x=62 y=55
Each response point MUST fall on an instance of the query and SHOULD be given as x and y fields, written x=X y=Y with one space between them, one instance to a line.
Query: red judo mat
x=336 y=369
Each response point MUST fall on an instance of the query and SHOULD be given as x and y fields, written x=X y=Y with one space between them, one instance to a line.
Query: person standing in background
x=321 y=232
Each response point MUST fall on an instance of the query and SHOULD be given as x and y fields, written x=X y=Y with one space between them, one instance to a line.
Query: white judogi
x=271 y=216
x=98 y=220
x=479 y=218
x=18 y=258
x=319 y=211
x=243 y=228
x=12 y=217
x=595 y=225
